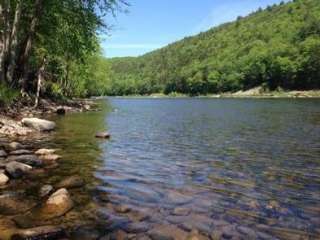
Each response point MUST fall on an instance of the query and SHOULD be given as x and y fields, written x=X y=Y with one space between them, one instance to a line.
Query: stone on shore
x=17 y=169
x=31 y=160
x=15 y=146
x=45 y=190
x=3 y=179
x=20 y=152
x=58 y=204
x=71 y=182
x=167 y=232
x=39 y=124
x=43 y=232
x=103 y=135
x=61 y=111
x=50 y=157
x=3 y=153
x=45 y=151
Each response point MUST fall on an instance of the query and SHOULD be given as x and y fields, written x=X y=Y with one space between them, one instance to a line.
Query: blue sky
x=151 y=24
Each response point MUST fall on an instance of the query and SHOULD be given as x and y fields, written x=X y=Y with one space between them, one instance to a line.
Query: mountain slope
x=275 y=47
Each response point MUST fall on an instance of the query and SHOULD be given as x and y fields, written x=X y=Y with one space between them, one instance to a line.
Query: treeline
x=55 y=41
x=278 y=47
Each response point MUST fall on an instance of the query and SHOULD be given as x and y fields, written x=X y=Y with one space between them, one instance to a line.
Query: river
x=242 y=168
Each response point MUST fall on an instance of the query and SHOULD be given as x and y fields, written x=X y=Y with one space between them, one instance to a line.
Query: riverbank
x=28 y=209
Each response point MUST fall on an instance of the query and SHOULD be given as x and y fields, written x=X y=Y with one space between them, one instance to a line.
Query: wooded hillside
x=278 y=47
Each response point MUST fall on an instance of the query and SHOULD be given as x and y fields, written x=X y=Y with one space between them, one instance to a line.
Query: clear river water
x=230 y=168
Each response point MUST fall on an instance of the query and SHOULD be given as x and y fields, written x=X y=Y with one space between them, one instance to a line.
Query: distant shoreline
x=252 y=93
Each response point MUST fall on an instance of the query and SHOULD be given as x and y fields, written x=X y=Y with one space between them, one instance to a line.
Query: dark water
x=243 y=168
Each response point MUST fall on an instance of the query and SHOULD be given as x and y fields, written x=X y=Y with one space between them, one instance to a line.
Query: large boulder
x=31 y=160
x=71 y=182
x=39 y=124
x=43 y=232
x=57 y=205
x=17 y=169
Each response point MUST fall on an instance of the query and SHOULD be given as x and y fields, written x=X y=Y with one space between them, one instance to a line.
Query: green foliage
x=278 y=47
x=7 y=95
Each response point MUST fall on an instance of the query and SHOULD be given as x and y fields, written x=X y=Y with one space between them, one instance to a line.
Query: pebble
x=17 y=169
x=45 y=190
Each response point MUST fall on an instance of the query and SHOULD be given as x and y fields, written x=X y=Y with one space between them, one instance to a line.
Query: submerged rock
x=103 y=135
x=167 y=232
x=13 y=203
x=31 y=160
x=17 y=169
x=3 y=179
x=45 y=151
x=39 y=124
x=43 y=233
x=58 y=204
x=71 y=182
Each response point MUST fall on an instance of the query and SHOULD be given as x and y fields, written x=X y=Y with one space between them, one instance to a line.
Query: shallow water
x=238 y=166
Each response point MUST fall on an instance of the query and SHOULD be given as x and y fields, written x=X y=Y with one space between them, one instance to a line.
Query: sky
x=152 y=24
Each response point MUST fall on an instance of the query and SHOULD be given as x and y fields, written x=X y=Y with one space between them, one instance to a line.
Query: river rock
x=50 y=157
x=17 y=169
x=57 y=205
x=181 y=211
x=3 y=153
x=20 y=152
x=43 y=232
x=71 y=182
x=3 y=179
x=167 y=232
x=103 y=135
x=45 y=190
x=39 y=124
x=14 y=203
x=7 y=228
x=45 y=151
x=195 y=235
x=61 y=111
x=31 y=160
x=15 y=146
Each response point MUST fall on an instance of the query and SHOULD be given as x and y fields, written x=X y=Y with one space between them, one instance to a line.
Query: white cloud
x=133 y=46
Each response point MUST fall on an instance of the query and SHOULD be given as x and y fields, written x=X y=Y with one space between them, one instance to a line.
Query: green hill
x=275 y=47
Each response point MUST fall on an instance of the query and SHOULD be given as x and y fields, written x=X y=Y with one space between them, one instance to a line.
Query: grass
x=7 y=95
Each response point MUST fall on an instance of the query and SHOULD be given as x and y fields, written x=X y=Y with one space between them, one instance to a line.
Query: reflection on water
x=250 y=168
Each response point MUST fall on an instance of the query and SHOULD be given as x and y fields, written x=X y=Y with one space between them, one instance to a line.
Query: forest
x=53 y=47
x=276 y=48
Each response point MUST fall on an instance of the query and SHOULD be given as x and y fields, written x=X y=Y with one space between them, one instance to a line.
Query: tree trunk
x=39 y=83
x=5 y=34
x=28 y=46
x=14 y=43
x=1 y=42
